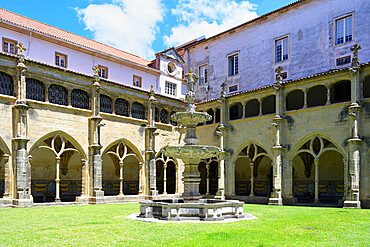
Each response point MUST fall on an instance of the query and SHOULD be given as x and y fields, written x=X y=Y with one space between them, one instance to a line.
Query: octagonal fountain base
x=203 y=210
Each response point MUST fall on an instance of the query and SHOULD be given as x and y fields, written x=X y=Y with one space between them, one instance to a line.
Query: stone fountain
x=191 y=207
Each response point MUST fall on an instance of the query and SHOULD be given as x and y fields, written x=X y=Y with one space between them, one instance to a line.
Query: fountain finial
x=192 y=79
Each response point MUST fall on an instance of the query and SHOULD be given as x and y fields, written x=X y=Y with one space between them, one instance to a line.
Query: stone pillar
x=141 y=178
x=191 y=179
x=121 y=178
x=85 y=179
x=8 y=177
x=150 y=148
x=20 y=140
x=164 y=179
x=252 y=179
x=276 y=196
x=95 y=123
x=288 y=182
x=207 y=170
x=316 y=202
x=57 y=180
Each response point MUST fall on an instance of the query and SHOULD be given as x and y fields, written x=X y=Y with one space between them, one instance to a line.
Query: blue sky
x=143 y=27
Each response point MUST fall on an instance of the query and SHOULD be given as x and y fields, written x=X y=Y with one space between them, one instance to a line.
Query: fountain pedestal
x=191 y=179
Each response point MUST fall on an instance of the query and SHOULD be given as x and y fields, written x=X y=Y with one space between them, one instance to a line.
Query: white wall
x=310 y=28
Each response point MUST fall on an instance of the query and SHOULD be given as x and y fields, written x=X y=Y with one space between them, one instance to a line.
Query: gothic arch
x=296 y=149
x=3 y=147
x=244 y=145
x=129 y=144
x=166 y=174
x=63 y=135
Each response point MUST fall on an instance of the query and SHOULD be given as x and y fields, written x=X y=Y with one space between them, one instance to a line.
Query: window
x=138 y=110
x=233 y=88
x=203 y=74
x=35 y=89
x=80 y=99
x=106 y=104
x=6 y=84
x=170 y=88
x=58 y=95
x=9 y=46
x=122 y=107
x=164 y=116
x=137 y=81
x=103 y=71
x=174 y=123
x=281 y=50
x=343 y=29
x=343 y=60
x=233 y=65
x=60 y=60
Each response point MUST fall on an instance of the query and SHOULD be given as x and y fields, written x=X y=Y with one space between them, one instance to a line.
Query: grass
x=106 y=225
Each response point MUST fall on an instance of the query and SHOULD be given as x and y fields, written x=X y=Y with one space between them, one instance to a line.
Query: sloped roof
x=25 y=22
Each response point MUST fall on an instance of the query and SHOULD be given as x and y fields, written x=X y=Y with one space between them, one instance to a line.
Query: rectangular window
x=203 y=74
x=137 y=81
x=281 y=49
x=170 y=88
x=343 y=60
x=233 y=65
x=103 y=71
x=343 y=29
x=9 y=46
x=60 y=60
x=233 y=88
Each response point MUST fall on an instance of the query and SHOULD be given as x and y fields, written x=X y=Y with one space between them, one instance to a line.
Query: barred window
x=106 y=104
x=6 y=84
x=174 y=123
x=35 y=89
x=121 y=107
x=156 y=115
x=80 y=99
x=58 y=95
x=138 y=110
x=164 y=116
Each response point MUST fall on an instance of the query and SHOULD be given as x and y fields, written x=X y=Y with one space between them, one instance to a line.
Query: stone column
x=8 y=177
x=252 y=179
x=150 y=148
x=316 y=202
x=140 y=178
x=85 y=179
x=276 y=197
x=352 y=173
x=121 y=178
x=288 y=182
x=95 y=123
x=20 y=140
x=57 y=180
x=165 y=179
x=207 y=171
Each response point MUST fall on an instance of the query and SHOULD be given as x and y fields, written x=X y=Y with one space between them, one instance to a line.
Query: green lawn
x=105 y=225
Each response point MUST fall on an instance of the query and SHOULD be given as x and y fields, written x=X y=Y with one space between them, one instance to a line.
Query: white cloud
x=129 y=25
x=207 y=17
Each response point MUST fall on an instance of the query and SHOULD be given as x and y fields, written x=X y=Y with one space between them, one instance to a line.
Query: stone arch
x=269 y=104
x=294 y=100
x=166 y=176
x=317 y=170
x=366 y=87
x=212 y=114
x=236 y=111
x=57 y=161
x=340 y=91
x=209 y=176
x=4 y=158
x=317 y=96
x=6 y=84
x=121 y=169
x=35 y=89
x=253 y=169
x=252 y=108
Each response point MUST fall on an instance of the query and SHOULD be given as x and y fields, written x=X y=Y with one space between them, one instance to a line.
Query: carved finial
x=278 y=72
x=223 y=91
x=96 y=70
x=355 y=61
x=151 y=89
x=20 y=48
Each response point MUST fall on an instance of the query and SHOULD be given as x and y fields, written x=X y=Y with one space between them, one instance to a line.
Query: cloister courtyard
x=107 y=225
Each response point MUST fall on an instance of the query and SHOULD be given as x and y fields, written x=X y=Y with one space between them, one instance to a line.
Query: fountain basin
x=191 y=118
x=191 y=153
x=204 y=210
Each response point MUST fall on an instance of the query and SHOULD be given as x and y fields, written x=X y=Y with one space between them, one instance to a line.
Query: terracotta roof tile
x=10 y=17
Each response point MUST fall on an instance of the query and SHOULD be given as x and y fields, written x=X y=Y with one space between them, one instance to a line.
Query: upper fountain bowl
x=191 y=118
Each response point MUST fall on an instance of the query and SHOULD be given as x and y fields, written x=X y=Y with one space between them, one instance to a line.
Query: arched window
x=6 y=84
x=138 y=110
x=80 y=99
x=174 y=123
x=58 y=95
x=164 y=116
x=106 y=104
x=210 y=112
x=366 y=87
x=269 y=105
x=341 y=91
x=317 y=96
x=121 y=107
x=35 y=89
x=236 y=111
x=295 y=100
x=218 y=115
x=252 y=108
